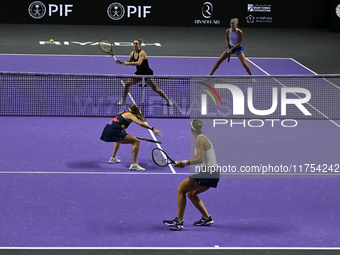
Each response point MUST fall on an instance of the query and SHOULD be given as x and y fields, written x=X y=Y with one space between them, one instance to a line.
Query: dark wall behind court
x=269 y=14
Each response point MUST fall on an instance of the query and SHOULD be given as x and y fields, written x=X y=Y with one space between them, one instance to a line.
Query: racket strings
x=105 y=45
x=160 y=158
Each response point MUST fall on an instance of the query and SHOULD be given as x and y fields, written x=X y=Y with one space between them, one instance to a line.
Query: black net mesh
x=299 y=97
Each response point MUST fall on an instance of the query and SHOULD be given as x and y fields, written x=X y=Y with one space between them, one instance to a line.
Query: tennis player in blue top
x=115 y=131
x=233 y=37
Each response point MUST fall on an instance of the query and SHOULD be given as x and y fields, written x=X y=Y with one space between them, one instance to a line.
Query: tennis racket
x=105 y=45
x=149 y=140
x=229 y=54
x=161 y=158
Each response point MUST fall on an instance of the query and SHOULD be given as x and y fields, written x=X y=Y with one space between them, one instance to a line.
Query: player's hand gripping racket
x=106 y=46
x=161 y=158
x=148 y=140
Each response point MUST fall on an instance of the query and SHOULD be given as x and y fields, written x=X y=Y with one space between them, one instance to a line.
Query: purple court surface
x=58 y=189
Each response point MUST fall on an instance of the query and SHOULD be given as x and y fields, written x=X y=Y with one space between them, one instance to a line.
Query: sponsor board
x=38 y=10
x=259 y=8
x=262 y=19
x=207 y=13
x=116 y=11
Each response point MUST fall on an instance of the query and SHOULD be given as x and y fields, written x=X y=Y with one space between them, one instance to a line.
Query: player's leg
x=223 y=57
x=153 y=85
x=186 y=186
x=129 y=139
x=127 y=86
x=197 y=202
x=243 y=60
x=115 y=149
x=206 y=219
x=114 y=158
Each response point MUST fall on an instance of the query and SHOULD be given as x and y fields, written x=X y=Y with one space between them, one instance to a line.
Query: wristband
x=185 y=162
x=152 y=128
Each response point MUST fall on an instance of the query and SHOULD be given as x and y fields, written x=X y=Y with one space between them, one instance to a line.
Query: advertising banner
x=213 y=13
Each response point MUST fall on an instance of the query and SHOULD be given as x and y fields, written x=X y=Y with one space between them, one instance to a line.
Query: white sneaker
x=122 y=102
x=114 y=160
x=136 y=167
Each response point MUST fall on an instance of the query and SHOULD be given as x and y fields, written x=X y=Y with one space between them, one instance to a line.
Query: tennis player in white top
x=195 y=184
x=234 y=37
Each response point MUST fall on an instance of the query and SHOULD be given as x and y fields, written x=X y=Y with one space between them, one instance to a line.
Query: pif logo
x=238 y=99
x=116 y=11
x=37 y=9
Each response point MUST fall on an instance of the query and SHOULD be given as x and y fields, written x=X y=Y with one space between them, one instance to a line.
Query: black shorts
x=202 y=180
x=111 y=134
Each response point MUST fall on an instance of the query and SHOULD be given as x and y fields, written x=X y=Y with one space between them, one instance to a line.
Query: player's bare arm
x=142 y=56
x=227 y=38
x=142 y=124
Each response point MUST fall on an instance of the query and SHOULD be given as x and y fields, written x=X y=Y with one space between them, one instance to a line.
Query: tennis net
x=279 y=97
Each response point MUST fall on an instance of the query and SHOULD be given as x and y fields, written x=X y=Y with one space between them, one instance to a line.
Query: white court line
x=173 y=248
x=304 y=66
x=266 y=58
x=151 y=132
x=86 y=173
x=202 y=57
x=336 y=124
x=258 y=66
x=314 y=73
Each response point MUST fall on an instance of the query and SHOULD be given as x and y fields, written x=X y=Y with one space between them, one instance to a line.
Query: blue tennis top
x=119 y=122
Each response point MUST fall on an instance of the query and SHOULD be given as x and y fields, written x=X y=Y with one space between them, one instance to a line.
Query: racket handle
x=114 y=57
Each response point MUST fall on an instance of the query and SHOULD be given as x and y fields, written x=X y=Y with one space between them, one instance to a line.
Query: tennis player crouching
x=115 y=131
x=204 y=154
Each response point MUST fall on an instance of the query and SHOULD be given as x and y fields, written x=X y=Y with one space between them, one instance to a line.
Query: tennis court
x=58 y=189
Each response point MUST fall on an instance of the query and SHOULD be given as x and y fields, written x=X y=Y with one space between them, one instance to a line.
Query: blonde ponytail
x=133 y=108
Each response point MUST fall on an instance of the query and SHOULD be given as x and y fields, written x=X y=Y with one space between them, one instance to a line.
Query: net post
x=143 y=94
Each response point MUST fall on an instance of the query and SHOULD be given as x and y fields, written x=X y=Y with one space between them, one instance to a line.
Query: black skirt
x=111 y=134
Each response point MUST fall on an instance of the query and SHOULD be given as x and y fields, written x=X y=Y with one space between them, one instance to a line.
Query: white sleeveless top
x=233 y=37
x=209 y=155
